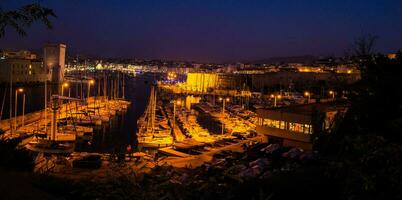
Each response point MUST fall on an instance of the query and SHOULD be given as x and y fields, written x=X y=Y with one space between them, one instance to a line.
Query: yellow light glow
x=20 y=89
x=227 y=99
x=171 y=76
x=272 y=96
x=91 y=82
x=279 y=96
x=306 y=94
x=220 y=98
x=349 y=71
x=178 y=103
x=331 y=92
x=65 y=84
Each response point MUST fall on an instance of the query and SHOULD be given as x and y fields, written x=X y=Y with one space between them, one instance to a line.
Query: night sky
x=213 y=30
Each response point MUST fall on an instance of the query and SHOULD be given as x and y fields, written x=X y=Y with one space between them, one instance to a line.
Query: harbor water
x=114 y=136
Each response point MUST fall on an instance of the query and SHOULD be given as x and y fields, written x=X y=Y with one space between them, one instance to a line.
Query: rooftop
x=307 y=109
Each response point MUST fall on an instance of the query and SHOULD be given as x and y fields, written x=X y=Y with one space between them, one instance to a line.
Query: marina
x=228 y=100
x=166 y=133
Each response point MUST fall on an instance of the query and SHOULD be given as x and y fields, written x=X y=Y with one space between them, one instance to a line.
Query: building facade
x=267 y=80
x=21 y=67
x=297 y=126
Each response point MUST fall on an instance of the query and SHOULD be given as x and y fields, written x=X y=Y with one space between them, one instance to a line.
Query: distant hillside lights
x=171 y=76
x=392 y=56
x=310 y=69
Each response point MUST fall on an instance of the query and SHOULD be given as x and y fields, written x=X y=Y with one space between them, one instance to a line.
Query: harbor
x=228 y=100
x=79 y=128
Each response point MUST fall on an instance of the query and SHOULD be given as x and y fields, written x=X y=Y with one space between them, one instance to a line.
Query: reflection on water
x=121 y=130
x=114 y=136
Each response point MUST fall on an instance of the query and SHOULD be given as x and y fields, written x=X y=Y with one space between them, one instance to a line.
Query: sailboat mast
x=153 y=111
x=123 y=86
x=104 y=85
x=11 y=99
x=45 y=110
x=118 y=84
x=2 y=104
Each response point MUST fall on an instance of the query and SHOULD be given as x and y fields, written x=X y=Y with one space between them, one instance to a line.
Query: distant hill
x=307 y=59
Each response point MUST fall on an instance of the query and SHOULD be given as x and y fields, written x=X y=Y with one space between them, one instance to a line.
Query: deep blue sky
x=213 y=30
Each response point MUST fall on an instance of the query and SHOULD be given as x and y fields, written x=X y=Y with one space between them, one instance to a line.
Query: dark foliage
x=24 y=17
x=365 y=153
x=13 y=158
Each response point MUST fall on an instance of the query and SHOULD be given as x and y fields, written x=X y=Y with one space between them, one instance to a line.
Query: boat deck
x=171 y=152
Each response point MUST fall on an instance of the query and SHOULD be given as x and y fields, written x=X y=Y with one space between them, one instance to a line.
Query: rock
x=261 y=162
x=270 y=149
x=293 y=153
x=266 y=175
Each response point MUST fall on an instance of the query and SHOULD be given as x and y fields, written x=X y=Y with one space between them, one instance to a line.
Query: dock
x=171 y=152
x=36 y=120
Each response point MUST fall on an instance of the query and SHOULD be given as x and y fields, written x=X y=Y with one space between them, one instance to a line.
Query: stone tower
x=54 y=57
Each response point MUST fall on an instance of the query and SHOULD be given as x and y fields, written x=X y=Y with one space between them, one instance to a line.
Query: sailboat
x=54 y=141
x=153 y=131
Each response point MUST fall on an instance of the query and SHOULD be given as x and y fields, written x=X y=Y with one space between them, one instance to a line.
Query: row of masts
x=112 y=89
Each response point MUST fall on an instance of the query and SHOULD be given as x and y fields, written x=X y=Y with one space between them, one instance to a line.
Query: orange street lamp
x=178 y=103
x=19 y=90
x=65 y=85
x=90 y=82
x=308 y=95
x=332 y=93
x=227 y=99
x=275 y=97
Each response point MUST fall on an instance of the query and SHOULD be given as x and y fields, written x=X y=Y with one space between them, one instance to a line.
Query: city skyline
x=208 y=31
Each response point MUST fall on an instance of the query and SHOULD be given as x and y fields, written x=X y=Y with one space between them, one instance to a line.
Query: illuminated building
x=201 y=82
x=23 y=54
x=21 y=67
x=54 y=61
x=204 y=82
x=297 y=125
x=392 y=56
x=260 y=81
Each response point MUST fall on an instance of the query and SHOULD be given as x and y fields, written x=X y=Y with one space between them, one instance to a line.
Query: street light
x=332 y=93
x=223 y=109
x=178 y=103
x=275 y=98
x=90 y=82
x=19 y=90
x=65 y=85
x=307 y=94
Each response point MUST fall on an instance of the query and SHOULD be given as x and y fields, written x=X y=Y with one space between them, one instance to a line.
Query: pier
x=25 y=126
x=171 y=152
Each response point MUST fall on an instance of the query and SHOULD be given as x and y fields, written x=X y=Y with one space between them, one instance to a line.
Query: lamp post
x=15 y=105
x=65 y=85
x=23 y=109
x=275 y=98
x=307 y=94
x=332 y=93
x=90 y=82
x=178 y=103
x=223 y=110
